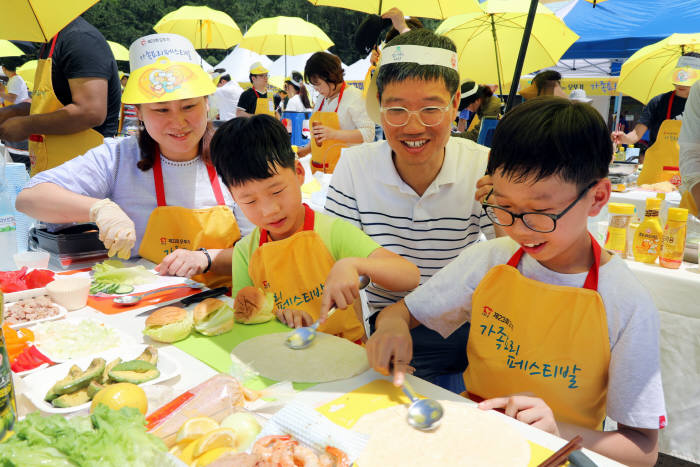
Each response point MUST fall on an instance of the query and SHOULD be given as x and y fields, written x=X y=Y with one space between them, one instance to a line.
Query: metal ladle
x=423 y=414
x=301 y=338
x=134 y=299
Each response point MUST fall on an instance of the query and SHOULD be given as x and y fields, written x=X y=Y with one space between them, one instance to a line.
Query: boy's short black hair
x=551 y=136
x=251 y=148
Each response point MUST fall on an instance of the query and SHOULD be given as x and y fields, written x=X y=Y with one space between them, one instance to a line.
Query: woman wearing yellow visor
x=154 y=194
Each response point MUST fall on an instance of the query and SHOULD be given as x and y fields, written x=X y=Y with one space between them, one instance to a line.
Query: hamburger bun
x=253 y=306
x=213 y=317
x=205 y=308
x=166 y=315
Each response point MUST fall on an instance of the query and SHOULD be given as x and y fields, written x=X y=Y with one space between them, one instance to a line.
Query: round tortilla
x=466 y=436
x=329 y=358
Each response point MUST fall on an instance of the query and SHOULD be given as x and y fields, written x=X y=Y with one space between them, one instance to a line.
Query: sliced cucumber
x=124 y=289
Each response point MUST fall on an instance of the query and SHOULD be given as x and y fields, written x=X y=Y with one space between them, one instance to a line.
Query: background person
x=479 y=100
x=256 y=99
x=156 y=194
x=226 y=98
x=340 y=118
x=298 y=97
x=14 y=93
x=545 y=83
x=75 y=102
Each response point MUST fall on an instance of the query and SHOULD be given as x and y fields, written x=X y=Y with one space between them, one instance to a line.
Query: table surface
x=194 y=372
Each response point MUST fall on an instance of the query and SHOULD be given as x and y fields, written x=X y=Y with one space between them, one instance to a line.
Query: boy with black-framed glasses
x=552 y=314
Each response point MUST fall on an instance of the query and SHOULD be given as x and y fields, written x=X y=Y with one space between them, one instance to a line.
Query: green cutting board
x=215 y=351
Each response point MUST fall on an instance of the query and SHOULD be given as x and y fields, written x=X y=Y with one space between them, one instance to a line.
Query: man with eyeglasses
x=414 y=192
x=255 y=100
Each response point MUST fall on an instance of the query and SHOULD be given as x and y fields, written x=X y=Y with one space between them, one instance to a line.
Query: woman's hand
x=397 y=20
x=527 y=408
x=183 y=263
x=322 y=133
x=117 y=230
x=294 y=318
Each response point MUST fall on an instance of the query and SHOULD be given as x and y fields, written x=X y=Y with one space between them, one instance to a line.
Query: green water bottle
x=8 y=408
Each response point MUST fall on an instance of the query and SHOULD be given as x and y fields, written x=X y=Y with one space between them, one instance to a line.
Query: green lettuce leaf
x=115 y=272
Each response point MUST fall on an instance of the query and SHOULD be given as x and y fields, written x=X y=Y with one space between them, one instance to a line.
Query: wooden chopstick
x=559 y=457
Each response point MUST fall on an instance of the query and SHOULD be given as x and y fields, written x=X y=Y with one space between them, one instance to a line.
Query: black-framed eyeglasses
x=538 y=221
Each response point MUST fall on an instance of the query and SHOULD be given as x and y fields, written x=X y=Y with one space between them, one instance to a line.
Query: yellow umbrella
x=38 y=20
x=27 y=72
x=647 y=73
x=285 y=35
x=438 y=9
x=8 y=49
x=595 y=2
x=204 y=27
x=488 y=42
x=120 y=52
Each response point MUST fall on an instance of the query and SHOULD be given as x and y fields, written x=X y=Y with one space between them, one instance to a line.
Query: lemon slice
x=186 y=454
x=211 y=455
x=221 y=438
x=195 y=428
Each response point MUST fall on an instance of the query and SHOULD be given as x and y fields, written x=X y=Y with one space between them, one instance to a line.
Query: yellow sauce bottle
x=647 y=237
x=618 y=227
x=673 y=241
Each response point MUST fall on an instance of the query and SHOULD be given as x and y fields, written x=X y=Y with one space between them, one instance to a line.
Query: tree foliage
x=124 y=21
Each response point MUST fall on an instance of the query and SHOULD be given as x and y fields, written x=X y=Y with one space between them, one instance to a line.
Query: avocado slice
x=134 y=371
x=71 y=383
x=78 y=397
x=94 y=387
x=74 y=371
x=150 y=354
x=104 y=379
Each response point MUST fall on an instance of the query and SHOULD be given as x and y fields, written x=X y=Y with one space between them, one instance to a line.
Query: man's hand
x=390 y=348
x=15 y=129
x=183 y=263
x=483 y=187
x=294 y=318
x=116 y=228
x=342 y=286
x=527 y=408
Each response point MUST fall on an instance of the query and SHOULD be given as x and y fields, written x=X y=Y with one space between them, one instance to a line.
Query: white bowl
x=70 y=292
x=32 y=259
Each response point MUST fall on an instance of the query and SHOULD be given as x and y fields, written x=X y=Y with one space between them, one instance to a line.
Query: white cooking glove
x=116 y=229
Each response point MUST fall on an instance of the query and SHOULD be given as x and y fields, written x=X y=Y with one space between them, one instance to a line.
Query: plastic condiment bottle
x=618 y=227
x=673 y=241
x=647 y=237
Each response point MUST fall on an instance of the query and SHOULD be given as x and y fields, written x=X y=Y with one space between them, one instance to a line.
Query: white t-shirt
x=294 y=104
x=110 y=171
x=18 y=87
x=689 y=139
x=429 y=230
x=352 y=113
x=635 y=395
x=226 y=100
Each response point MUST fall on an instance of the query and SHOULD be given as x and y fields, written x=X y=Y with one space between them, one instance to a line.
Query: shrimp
x=275 y=450
x=334 y=457
x=305 y=457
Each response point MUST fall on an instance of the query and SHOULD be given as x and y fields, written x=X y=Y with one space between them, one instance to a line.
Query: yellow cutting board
x=379 y=394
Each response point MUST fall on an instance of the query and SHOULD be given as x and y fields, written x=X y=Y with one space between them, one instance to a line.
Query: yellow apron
x=264 y=105
x=173 y=227
x=324 y=157
x=48 y=151
x=664 y=151
x=688 y=202
x=551 y=340
x=294 y=269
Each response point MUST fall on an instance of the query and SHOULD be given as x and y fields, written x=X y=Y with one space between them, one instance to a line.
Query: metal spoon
x=423 y=414
x=134 y=299
x=301 y=338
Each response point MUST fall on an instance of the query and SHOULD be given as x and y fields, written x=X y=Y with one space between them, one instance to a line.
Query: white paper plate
x=40 y=382
x=12 y=297
x=62 y=312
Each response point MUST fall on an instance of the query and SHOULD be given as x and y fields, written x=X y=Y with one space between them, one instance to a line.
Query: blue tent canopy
x=618 y=28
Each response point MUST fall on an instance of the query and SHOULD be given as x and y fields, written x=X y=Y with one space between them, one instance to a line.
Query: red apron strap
x=670 y=104
x=256 y=93
x=340 y=97
x=591 y=281
x=309 y=216
x=215 y=185
x=158 y=179
x=53 y=45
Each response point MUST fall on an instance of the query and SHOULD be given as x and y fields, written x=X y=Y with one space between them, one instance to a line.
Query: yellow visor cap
x=164 y=81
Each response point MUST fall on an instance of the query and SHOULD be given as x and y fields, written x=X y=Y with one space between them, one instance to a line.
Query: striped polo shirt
x=428 y=230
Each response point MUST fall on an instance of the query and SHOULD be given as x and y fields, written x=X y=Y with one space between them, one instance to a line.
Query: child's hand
x=342 y=286
x=527 y=408
x=294 y=318
x=391 y=348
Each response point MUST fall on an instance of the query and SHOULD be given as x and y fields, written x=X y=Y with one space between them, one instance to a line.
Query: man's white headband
x=471 y=92
x=688 y=62
x=419 y=54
